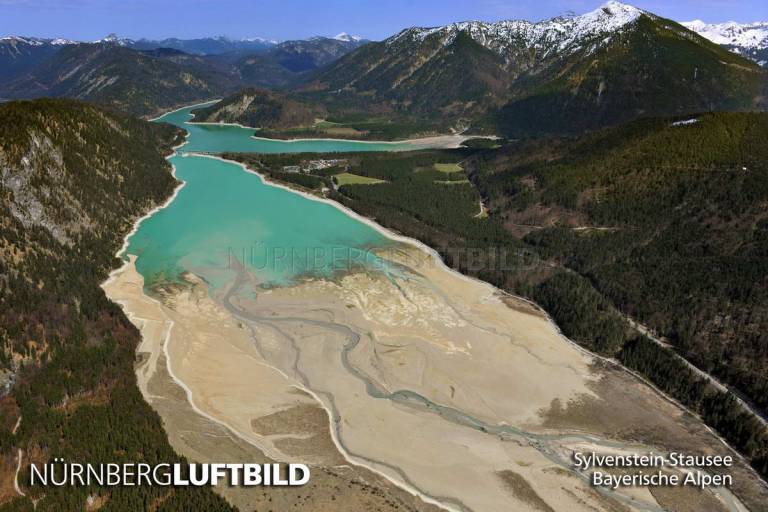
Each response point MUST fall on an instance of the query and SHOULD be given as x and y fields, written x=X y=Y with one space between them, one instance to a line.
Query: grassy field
x=347 y=178
x=448 y=168
x=329 y=128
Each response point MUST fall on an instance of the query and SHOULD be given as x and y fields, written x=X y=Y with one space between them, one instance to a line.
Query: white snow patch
x=114 y=39
x=347 y=37
x=260 y=40
x=753 y=36
x=557 y=35
x=33 y=41
x=685 y=122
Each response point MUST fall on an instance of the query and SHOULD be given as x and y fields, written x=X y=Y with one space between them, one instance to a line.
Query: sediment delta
x=429 y=379
x=334 y=485
x=405 y=386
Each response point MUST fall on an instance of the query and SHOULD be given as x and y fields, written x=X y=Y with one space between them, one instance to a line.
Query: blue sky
x=291 y=19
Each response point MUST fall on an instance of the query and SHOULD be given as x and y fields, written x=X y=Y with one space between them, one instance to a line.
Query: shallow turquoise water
x=225 y=217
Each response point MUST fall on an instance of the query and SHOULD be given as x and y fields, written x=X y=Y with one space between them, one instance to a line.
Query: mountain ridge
x=118 y=77
x=560 y=32
x=748 y=39
x=571 y=69
x=144 y=79
x=518 y=78
x=211 y=45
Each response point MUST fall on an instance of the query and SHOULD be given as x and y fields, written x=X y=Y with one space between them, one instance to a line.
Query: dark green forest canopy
x=260 y=108
x=89 y=174
x=668 y=220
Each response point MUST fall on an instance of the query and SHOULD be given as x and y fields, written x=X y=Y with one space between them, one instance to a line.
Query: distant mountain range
x=221 y=44
x=199 y=46
x=748 y=39
x=517 y=78
x=203 y=46
x=18 y=55
x=121 y=78
x=563 y=75
x=143 y=77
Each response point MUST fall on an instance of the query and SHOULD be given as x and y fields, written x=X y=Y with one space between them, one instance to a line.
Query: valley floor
x=409 y=387
x=435 y=383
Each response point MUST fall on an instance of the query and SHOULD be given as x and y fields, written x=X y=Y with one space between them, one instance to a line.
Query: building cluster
x=314 y=165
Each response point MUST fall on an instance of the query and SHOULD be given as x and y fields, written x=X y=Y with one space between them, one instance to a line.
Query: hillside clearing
x=347 y=178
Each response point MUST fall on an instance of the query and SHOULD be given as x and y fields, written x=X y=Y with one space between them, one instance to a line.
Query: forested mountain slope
x=142 y=78
x=564 y=75
x=260 y=108
x=73 y=178
x=18 y=55
x=667 y=219
x=662 y=220
x=654 y=68
x=121 y=78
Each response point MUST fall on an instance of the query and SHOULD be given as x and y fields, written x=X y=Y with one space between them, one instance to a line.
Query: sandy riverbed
x=203 y=346
x=446 y=141
x=431 y=381
x=434 y=142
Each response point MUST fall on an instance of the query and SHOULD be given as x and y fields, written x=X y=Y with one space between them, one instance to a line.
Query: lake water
x=224 y=217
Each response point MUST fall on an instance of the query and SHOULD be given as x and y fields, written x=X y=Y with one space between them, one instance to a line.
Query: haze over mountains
x=200 y=46
x=515 y=77
x=142 y=77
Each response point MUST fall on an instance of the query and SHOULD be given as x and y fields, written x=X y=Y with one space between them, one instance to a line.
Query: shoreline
x=189 y=395
x=433 y=141
x=165 y=113
x=445 y=141
x=165 y=204
x=386 y=232
x=441 y=264
x=16 y=487
x=397 y=238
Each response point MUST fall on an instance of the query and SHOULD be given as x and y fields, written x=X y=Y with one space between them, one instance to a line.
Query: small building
x=315 y=165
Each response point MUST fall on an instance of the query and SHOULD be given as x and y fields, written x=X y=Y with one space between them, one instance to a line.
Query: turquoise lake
x=224 y=217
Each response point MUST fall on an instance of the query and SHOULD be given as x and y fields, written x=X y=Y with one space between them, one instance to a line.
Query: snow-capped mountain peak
x=347 y=37
x=114 y=39
x=753 y=36
x=62 y=42
x=610 y=16
x=32 y=41
x=557 y=35
x=260 y=40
